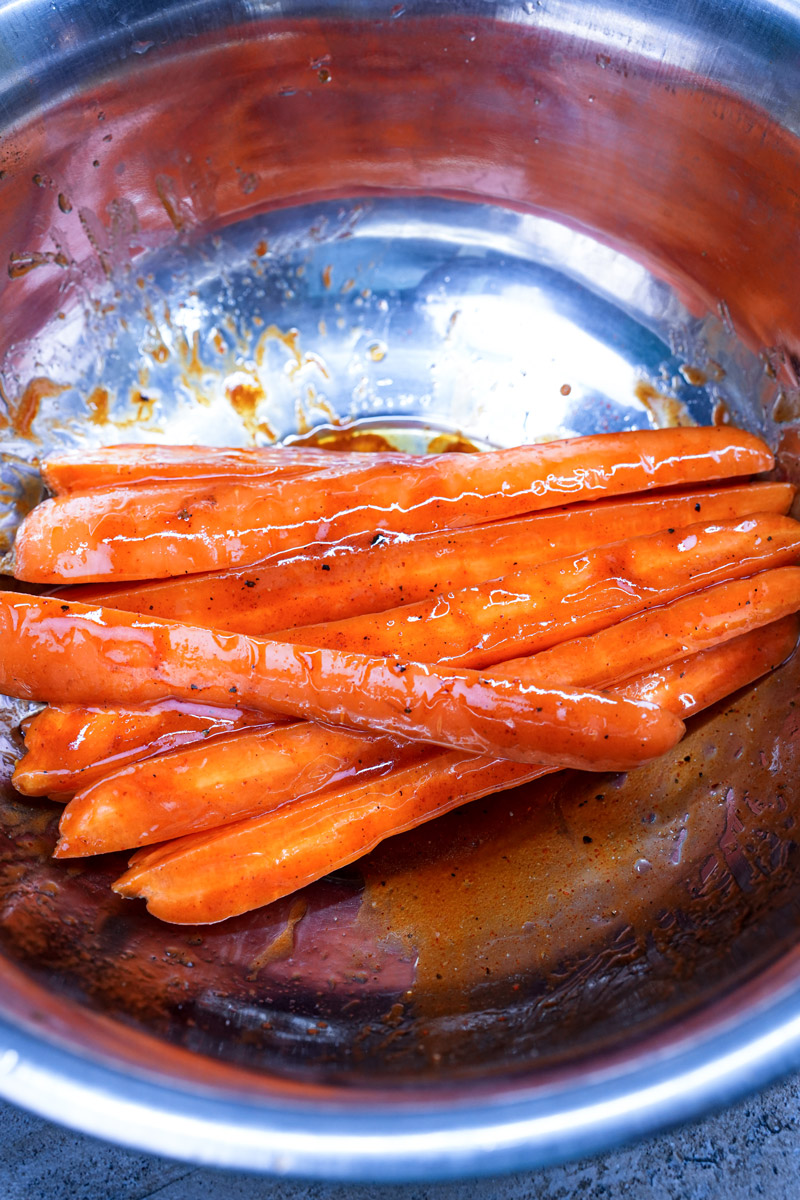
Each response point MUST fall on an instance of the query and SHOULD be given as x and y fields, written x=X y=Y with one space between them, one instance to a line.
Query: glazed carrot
x=68 y=747
x=535 y=607
x=654 y=638
x=686 y=687
x=600 y=599
x=149 y=531
x=113 y=466
x=207 y=877
x=245 y=773
x=66 y=653
x=50 y=754
x=218 y=782
x=321 y=583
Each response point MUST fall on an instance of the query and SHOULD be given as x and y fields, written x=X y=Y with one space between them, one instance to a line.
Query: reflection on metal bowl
x=235 y=223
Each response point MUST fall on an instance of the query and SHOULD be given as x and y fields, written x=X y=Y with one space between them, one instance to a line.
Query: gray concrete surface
x=752 y=1150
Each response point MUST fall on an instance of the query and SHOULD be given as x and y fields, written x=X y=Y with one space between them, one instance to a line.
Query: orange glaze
x=128 y=463
x=78 y=654
x=534 y=607
x=68 y=747
x=215 y=783
x=147 y=531
x=688 y=686
x=207 y=877
x=329 y=583
x=250 y=772
x=654 y=638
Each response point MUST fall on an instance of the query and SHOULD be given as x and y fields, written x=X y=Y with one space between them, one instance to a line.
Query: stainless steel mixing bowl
x=240 y=220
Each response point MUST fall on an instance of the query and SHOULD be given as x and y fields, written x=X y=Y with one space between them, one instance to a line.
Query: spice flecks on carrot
x=207 y=877
x=151 y=531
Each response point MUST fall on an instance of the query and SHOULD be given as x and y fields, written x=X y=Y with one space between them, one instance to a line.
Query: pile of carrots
x=258 y=664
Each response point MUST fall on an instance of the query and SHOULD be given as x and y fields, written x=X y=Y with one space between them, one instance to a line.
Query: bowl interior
x=484 y=226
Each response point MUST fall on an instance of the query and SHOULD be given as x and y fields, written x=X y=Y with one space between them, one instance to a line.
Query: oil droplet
x=642 y=866
x=725 y=316
x=565 y=389
x=694 y=376
x=98 y=403
x=324 y=75
x=591 y=99
x=26 y=409
x=39 y=180
x=262 y=248
x=63 y=203
x=786 y=406
x=377 y=351
x=664 y=411
x=20 y=264
x=326 y=276
x=244 y=393
x=677 y=852
x=721 y=414
x=170 y=201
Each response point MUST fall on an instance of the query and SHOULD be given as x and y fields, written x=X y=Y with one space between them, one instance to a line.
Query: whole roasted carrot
x=600 y=589
x=245 y=773
x=536 y=606
x=113 y=466
x=321 y=583
x=70 y=746
x=66 y=653
x=151 y=531
x=207 y=877
x=52 y=755
x=219 y=782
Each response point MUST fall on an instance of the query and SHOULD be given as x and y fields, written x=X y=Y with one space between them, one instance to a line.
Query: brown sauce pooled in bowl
x=516 y=930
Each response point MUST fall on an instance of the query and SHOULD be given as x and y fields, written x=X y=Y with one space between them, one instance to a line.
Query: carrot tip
x=65 y=849
x=127 y=886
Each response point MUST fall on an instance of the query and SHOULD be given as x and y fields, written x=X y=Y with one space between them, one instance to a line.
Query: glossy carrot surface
x=688 y=686
x=537 y=606
x=207 y=877
x=78 y=654
x=70 y=746
x=253 y=771
x=656 y=637
x=113 y=466
x=322 y=583
x=150 y=531
x=219 y=782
